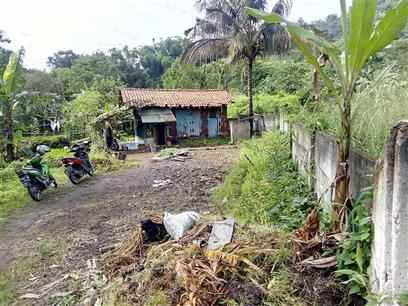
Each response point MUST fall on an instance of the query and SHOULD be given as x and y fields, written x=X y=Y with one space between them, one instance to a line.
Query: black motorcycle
x=78 y=166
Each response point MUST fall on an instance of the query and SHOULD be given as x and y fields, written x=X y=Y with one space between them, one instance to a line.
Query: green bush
x=264 y=104
x=265 y=187
x=12 y=192
x=104 y=162
x=354 y=255
x=30 y=143
x=54 y=158
x=275 y=76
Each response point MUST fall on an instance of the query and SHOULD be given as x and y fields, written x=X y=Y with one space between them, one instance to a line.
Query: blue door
x=212 y=127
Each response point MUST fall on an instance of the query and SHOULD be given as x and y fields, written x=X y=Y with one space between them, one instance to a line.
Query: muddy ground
x=48 y=246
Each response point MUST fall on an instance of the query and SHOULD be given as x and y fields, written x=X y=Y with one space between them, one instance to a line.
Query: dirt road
x=51 y=239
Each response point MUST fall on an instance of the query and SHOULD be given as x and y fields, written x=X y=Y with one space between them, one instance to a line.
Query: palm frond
x=226 y=30
x=257 y=4
x=206 y=49
x=283 y=7
x=274 y=39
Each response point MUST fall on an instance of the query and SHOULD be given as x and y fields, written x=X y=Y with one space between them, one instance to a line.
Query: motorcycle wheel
x=75 y=179
x=91 y=172
x=35 y=192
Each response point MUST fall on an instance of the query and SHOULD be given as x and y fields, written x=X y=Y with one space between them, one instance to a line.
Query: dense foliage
x=264 y=104
x=354 y=255
x=264 y=187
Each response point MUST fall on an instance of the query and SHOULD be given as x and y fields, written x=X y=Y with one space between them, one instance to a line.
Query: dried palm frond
x=128 y=254
x=306 y=240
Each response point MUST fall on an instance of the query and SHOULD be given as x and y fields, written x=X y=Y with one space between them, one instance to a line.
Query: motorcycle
x=35 y=176
x=78 y=166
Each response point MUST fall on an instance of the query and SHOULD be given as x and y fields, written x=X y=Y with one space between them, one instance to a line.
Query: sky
x=43 y=27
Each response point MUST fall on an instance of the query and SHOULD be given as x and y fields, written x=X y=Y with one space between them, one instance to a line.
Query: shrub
x=276 y=76
x=264 y=104
x=104 y=162
x=27 y=145
x=54 y=158
x=12 y=192
x=265 y=187
x=354 y=256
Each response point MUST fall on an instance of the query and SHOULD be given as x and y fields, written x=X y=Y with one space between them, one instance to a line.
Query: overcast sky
x=46 y=26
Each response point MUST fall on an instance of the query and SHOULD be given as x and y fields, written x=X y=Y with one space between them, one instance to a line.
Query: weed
x=168 y=152
x=280 y=290
x=63 y=301
x=355 y=252
x=265 y=187
x=9 y=279
x=13 y=195
x=52 y=250
x=264 y=104
x=157 y=298
x=203 y=142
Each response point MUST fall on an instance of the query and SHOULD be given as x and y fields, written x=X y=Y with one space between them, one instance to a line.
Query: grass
x=203 y=142
x=49 y=251
x=13 y=195
x=157 y=298
x=377 y=106
x=10 y=278
x=264 y=187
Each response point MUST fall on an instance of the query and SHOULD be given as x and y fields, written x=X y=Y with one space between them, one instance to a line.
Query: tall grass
x=379 y=103
x=265 y=187
x=378 y=106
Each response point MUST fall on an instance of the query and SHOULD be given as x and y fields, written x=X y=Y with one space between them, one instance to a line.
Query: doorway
x=161 y=134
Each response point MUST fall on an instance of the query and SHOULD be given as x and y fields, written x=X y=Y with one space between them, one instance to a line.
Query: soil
x=76 y=223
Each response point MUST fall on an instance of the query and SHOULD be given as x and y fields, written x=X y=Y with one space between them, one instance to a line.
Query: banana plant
x=8 y=99
x=363 y=37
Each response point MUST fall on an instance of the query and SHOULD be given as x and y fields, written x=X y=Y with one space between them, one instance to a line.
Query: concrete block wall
x=272 y=121
x=325 y=155
x=303 y=151
x=316 y=154
x=239 y=130
x=362 y=172
x=389 y=274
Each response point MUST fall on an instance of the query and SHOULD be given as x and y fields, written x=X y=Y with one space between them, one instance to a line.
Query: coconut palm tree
x=8 y=99
x=363 y=37
x=226 y=31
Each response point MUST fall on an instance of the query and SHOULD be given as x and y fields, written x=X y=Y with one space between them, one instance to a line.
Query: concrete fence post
x=389 y=274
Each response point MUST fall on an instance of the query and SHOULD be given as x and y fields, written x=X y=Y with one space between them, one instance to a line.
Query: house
x=162 y=117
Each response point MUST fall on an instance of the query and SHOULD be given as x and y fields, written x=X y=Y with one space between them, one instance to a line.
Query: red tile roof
x=174 y=98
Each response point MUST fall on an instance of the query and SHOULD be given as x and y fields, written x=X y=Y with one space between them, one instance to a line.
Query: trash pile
x=198 y=260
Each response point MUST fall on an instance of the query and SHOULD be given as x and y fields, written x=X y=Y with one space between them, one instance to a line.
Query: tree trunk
x=250 y=97
x=8 y=134
x=316 y=86
x=342 y=168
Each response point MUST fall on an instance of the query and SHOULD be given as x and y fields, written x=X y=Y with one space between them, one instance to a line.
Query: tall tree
x=4 y=53
x=8 y=98
x=227 y=31
x=62 y=59
x=363 y=38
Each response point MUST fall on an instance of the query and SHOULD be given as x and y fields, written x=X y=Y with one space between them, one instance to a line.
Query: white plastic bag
x=178 y=225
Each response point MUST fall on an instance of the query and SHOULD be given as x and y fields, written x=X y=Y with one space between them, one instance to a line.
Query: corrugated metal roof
x=157 y=116
x=174 y=98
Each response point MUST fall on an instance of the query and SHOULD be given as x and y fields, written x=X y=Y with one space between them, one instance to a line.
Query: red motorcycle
x=78 y=166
